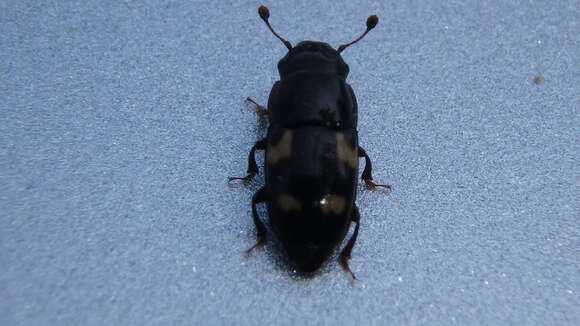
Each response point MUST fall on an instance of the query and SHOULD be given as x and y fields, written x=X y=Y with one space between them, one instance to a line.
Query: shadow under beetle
x=312 y=152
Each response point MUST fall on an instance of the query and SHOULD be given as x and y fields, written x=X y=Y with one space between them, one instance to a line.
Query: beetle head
x=312 y=56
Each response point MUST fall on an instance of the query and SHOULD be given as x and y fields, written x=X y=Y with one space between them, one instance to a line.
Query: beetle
x=311 y=154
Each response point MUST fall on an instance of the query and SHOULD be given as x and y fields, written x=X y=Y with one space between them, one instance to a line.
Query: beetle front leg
x=260 y=109
x=367 y=175
x=252 y=166
x=345 y=253
x=259 y=196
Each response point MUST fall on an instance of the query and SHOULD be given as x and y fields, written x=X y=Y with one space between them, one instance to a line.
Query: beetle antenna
x=265 y=14
x=372 y=21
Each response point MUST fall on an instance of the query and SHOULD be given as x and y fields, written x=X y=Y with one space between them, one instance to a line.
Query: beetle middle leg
x=259 y=196
x=345 y=253
x=260 y=109
x=367 y=175
x=252 y=166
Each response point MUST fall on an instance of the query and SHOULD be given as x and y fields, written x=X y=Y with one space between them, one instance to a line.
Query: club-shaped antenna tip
x=264 y=12
x=372 y=21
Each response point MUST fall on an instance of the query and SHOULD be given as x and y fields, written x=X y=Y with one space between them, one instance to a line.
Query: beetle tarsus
x=346 y=268
x=371 y=185
x=260 y=109
x=245 y=179
x=257 y=245
x=345 y=253
x=259 y=196
x=252 y=166
x=367 y=175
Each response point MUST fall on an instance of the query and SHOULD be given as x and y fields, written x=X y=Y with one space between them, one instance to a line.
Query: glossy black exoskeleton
x=312 y=153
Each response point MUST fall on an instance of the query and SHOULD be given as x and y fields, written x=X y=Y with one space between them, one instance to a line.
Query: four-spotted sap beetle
x=312 y=153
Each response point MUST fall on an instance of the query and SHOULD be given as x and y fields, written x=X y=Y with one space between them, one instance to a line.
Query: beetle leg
x=260 y=109
x=252 y=166
x=259 y=196
x=345 y=253
x=367 y=175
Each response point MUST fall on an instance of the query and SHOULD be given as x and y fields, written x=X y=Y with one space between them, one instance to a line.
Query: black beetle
x=312 y=152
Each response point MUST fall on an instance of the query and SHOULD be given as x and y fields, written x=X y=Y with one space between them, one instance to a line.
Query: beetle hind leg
x=259 y=196
x=252 y=166
x=367 y=175
x=345 y=253
x=260 y=109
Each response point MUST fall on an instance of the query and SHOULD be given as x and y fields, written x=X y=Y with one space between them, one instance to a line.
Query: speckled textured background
x=120 y=121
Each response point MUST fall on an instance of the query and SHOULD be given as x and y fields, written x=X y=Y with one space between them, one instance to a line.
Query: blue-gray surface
x=120 y=121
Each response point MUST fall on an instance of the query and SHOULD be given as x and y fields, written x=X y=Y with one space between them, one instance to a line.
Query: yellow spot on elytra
x=346 y=153
x=282 y=149
x=289 y=203
x=335 y=204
